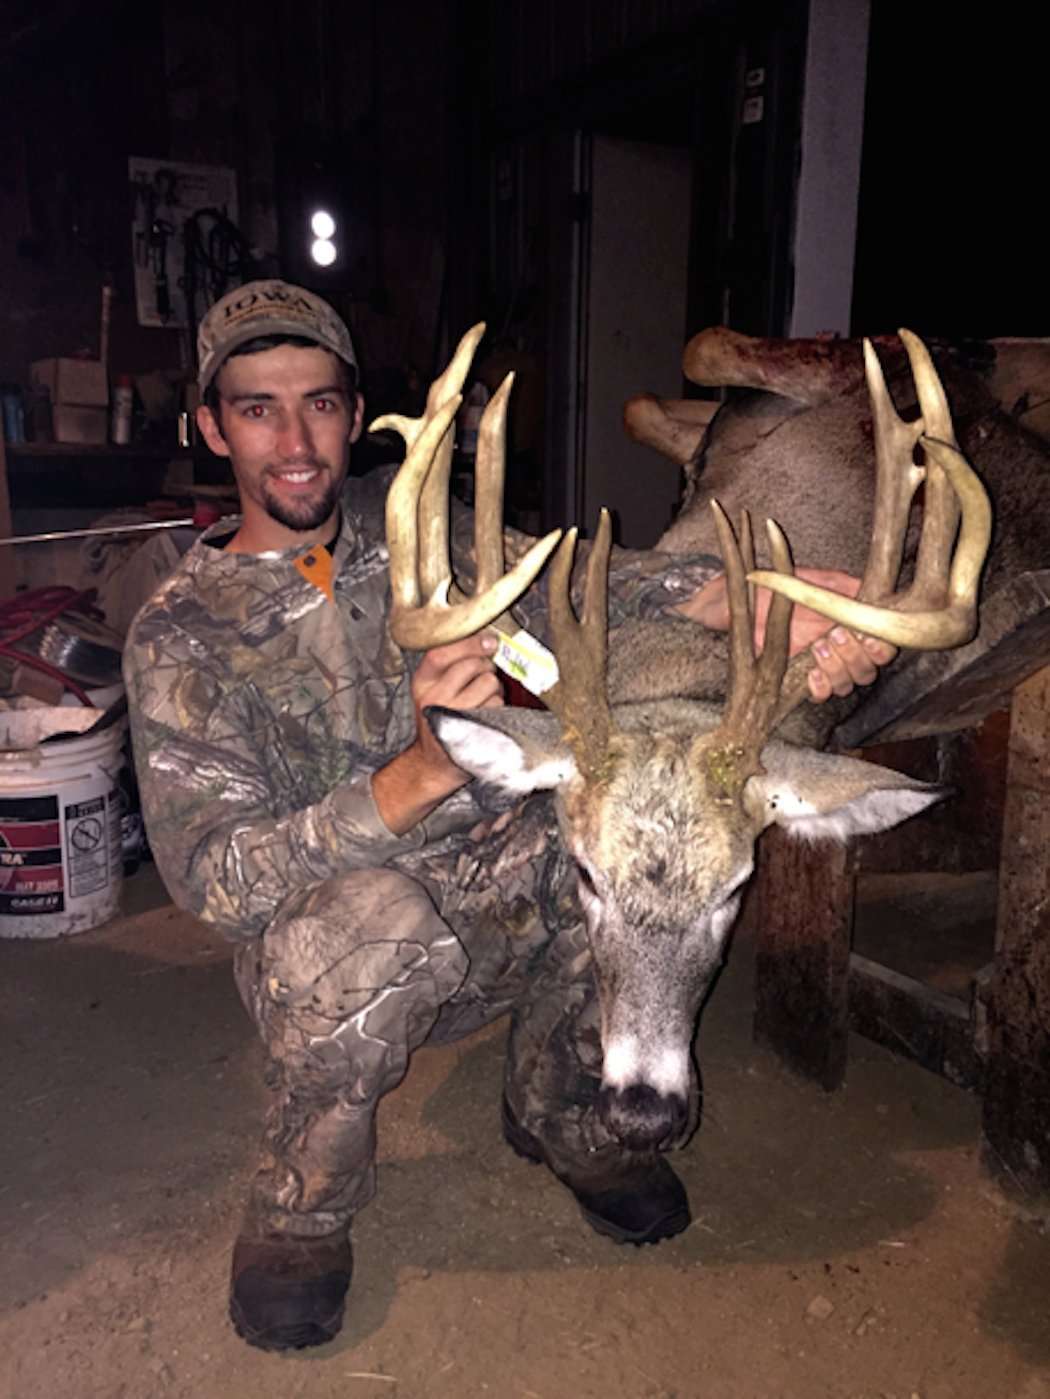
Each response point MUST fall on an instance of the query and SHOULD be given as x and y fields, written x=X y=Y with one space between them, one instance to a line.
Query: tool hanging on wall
x=159 y=233
x=216 y=257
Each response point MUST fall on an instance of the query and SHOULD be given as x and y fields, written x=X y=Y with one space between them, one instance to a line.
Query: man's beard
x=305 y=513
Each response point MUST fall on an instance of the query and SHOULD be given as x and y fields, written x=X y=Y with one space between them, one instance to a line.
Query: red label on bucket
x=30 y=856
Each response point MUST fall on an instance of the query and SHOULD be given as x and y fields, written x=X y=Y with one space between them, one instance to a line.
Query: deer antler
x=580 y=698
x=938 y=610
x=731 y=753
x=428 y=609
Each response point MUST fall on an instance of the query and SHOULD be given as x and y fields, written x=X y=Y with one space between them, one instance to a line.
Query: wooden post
x=1017 y=1081
x=805 y=924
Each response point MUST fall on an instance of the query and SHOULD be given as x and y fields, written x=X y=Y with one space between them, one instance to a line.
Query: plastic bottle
x=14 y=415
x=123 y=395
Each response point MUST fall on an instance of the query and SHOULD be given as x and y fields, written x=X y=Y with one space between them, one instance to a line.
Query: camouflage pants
x=359 y=971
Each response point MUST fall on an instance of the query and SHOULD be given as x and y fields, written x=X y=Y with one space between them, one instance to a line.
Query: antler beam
x=428 y=609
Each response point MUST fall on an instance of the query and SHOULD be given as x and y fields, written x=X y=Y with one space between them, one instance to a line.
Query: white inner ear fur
x=819 y=796
x=869 y=811
x=495 y=757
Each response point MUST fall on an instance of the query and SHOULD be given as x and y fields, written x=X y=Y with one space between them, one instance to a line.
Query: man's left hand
x=843 y=658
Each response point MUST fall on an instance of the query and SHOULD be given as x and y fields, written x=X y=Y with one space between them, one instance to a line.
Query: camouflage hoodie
x=261 y=705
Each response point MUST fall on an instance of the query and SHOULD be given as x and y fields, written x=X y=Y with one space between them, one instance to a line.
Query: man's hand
x=458 y=676
x=843 y=659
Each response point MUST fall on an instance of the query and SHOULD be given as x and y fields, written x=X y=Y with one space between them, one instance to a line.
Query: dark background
x=421 y=110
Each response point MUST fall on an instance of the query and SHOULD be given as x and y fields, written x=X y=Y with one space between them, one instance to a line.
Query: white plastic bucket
x=61 y=862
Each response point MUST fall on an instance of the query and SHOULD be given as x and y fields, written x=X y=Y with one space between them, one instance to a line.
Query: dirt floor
x=846 y=1246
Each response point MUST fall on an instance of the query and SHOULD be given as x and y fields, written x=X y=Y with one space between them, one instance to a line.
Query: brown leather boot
x=288 y=1292
x=641 y=1207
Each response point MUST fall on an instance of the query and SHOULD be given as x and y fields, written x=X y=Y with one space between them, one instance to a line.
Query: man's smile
x=294 y=475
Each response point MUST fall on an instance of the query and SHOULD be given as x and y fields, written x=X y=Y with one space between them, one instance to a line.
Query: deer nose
x=643 y=1118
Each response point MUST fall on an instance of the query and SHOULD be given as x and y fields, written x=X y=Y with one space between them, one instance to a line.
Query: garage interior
x=598 y=184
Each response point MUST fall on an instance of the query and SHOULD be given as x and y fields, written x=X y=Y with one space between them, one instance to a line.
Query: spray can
x=120 y=424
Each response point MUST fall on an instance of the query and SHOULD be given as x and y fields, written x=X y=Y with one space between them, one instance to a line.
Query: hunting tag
x=526 y=660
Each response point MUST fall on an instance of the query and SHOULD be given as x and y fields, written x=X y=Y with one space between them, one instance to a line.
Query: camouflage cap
x=267 y=308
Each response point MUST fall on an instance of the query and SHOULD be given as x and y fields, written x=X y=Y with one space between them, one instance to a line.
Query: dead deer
x=793 y=438
x=660 y=803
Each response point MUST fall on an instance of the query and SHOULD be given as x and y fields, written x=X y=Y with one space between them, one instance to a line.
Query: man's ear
x=516 y=750
x=357 y=416
x=211 y=431
x=824 y=796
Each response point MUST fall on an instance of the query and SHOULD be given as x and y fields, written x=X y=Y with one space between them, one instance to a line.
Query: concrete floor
x=845 y=1246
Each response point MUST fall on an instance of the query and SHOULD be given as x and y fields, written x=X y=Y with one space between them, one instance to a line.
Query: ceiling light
x=323 y=252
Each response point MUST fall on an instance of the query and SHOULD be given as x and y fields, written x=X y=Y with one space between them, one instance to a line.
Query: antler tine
x=754 y=686
x=489 y=472
x=421 y=494
x=774 y=658
x=975 y=532
x=452 y=378
x=417 y=521
x=741 y=644
x=940 y=507
x=747 y=553
x=897 y=478
x=580 y=698
x=732 y=752
x=402 y=505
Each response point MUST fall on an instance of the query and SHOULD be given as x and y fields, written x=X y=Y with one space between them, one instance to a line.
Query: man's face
x=286 y=423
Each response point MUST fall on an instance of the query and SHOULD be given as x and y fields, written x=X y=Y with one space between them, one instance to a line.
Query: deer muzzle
x=643 y=1095
x=641 y=1117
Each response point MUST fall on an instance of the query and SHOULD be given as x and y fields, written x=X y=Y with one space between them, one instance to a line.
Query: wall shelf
x=46 y=475
x=30 y=450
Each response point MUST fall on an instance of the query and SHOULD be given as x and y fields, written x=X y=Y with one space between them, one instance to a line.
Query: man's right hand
x=458 y=676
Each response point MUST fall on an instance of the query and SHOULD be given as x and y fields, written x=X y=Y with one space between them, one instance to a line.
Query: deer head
x=660 y=804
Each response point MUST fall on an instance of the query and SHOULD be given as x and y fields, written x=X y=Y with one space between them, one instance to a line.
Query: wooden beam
x=913 y=1019
x=1017 y=1083
x=805 y=921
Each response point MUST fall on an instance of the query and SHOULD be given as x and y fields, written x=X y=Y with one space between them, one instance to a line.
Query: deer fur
x=660 y=801
x=659 y=872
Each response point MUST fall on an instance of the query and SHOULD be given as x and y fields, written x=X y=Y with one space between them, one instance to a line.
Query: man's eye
x=324 y=405
x=255 y=410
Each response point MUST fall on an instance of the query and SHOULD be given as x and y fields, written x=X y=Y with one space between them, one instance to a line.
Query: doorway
x=630 y=265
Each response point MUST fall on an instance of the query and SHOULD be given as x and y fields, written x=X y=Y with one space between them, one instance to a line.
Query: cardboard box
x=81 y=381
x=75 y=423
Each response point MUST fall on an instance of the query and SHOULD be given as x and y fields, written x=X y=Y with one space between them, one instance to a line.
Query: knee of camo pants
x=343 y=987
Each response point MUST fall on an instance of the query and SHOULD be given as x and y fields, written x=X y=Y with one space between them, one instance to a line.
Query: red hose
x=29 y=612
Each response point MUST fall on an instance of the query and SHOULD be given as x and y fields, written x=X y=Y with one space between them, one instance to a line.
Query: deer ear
x=823 y=796
x=517 y=750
